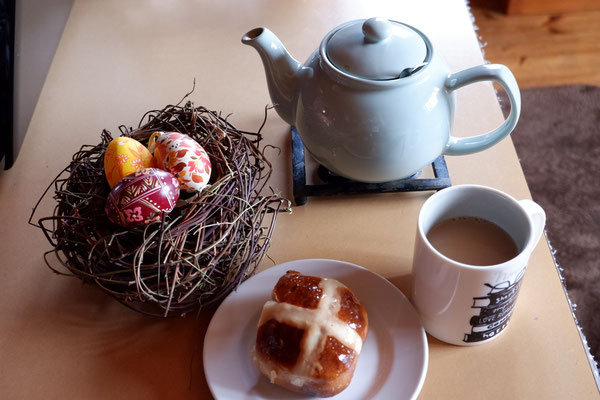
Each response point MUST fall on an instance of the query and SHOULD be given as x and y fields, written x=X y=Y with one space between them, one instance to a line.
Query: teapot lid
x=378 y=49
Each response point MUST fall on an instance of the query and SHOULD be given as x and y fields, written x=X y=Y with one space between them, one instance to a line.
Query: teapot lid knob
x=377 y=29
x=376 y=49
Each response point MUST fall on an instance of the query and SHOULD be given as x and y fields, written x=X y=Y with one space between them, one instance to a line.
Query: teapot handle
x=488 y=72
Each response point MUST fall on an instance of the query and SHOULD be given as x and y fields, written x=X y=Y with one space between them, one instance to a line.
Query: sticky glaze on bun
x=310 y=335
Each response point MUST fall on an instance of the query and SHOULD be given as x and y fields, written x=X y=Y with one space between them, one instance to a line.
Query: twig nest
x=181 y=261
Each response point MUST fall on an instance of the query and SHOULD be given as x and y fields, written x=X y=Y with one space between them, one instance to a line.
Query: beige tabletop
x=118 y=59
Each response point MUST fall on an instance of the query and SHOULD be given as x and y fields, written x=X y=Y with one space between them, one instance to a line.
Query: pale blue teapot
x=374 y=102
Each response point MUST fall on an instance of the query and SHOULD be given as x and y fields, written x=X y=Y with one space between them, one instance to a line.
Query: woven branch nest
x=195 y=255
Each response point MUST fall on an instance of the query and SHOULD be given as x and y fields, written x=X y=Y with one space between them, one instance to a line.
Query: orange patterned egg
x=123 y=157
x=182 y=156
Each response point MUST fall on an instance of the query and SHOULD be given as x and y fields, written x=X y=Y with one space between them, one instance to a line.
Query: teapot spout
x=281 y=69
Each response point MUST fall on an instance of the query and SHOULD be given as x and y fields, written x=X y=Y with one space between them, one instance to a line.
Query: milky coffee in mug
x=472 y=247
x=471 y=240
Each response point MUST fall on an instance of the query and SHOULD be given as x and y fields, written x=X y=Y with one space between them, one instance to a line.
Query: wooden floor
x=543 y=50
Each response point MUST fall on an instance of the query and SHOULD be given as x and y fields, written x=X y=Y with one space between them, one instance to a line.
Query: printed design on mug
x=495 y=310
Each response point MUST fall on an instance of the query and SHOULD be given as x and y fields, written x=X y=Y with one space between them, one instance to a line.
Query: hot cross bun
x=310 y=335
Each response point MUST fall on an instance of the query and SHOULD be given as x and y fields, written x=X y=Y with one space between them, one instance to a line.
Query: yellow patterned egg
x=123 y=157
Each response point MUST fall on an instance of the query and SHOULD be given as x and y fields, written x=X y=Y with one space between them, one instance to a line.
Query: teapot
x=375 y=102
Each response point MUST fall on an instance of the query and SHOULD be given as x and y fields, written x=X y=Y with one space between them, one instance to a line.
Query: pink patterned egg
x=142 y=197
x=183 y=157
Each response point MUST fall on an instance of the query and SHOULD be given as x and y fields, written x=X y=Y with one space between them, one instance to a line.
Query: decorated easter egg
x=123 y=157
x=142 y=197
x=183 y=157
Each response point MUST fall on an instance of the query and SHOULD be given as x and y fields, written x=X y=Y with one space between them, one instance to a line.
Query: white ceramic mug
x=464 y=304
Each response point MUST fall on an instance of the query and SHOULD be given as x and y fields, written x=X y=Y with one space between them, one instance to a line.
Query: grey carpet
x=558 y=143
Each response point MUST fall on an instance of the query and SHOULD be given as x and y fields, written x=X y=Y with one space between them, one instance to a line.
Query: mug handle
x=538 y=218
x=488 y=72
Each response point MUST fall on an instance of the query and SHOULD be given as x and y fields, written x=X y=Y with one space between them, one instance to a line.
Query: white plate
x=393 y=361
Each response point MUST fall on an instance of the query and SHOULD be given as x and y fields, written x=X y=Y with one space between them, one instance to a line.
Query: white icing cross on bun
x=310 y=335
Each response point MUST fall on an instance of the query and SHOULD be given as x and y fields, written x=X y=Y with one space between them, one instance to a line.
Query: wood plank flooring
x=543 y=50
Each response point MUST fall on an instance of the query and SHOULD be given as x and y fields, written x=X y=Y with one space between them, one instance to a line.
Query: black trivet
x=336 y=185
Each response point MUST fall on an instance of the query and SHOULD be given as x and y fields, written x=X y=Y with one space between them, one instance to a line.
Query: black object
x=336 y=185
x=7 y=44
x=30 y=31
